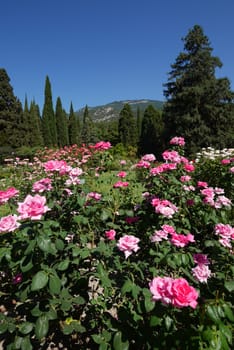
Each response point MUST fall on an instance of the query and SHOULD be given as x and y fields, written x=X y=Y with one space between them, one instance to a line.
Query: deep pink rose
x=183 y=294
x=128 y=244
x=32 y=207
x=181 y=240
x=110 y=234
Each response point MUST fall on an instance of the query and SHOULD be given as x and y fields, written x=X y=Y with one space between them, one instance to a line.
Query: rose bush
x=92 y=263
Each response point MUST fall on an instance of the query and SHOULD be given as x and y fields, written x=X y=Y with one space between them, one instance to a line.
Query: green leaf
x=155 y=321
x=54 y=284
x=26 y=344
x=105 y=214
x=118 y=344
x=26 y=327
x=39 y=281
x=97 y=338
x=212 y=313
x=41 y=327
x=149 y=304
x=168 y=322
x=63 y=265
x=229 y=285
x=226 y=331
x=59 y=244
x=103 y=346
x=228 y=312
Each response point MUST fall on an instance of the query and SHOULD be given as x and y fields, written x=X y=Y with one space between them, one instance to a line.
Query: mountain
x=111 y=110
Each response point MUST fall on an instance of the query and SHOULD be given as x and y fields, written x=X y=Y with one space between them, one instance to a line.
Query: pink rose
x=110 y=234
x=177 y=140
x=9 y=223
x=7 y=194
x=181 y=240
x=183 y=294
x=128 y=244
x=121 y=184
x=122 y=174
x=42 y=185
x=160 y=288
x=32 y=207
x=201 y=272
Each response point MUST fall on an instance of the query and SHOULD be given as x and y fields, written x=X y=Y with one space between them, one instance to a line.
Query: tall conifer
x=127 y=127
x=48 y=118
x=61 y=124
x=199 y=106
x=11 y=114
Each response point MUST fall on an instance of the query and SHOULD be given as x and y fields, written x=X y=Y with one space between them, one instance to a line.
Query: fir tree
x=11 y=114
x=199 y=106
x=127 y=127
x=151 y=132
x=48 y=118
x=61 y=124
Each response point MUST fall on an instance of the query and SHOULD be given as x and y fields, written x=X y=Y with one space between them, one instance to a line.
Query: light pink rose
x=110 y=234
x=94 y=195
x=183 y=294
x=9 y=223
x=42 y=185
x=128 y=244
x=161 y=289
x=149 y=157
x=201 y=272
x=119 y=184
x=122 y=174
x=33 y=207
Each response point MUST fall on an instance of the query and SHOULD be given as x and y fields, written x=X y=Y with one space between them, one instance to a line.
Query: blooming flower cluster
x=178 y=141
x=178 y=240
x=164 y=207
x=121 y=184
x=102 y=146
x=215 y=197
x=176 y=291
x=225 y=233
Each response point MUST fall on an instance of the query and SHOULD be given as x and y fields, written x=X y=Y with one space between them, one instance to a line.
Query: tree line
x=198 y=106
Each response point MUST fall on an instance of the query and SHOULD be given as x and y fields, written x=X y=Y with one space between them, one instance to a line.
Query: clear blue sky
x=99 y=51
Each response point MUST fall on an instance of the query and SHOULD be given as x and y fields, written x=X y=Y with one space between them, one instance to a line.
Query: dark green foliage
x=36 y=127
x=73 y=128
x=151 y=132
x=61 y=124
x=108 y=130
x=199 y=106
x=48 y=117
x=127 y=127
x=139 y=122
x=88 y=129
x=11 y=114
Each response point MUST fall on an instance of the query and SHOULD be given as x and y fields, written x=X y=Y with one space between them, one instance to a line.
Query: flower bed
x=137 y=258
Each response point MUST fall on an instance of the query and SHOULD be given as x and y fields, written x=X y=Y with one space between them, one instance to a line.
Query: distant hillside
x=111 y=110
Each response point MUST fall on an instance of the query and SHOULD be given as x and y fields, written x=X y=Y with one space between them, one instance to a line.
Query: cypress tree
x=199 y=106
x=11 y=114
x=61 y=124
x=151 y=132
x=26 y=124
x=36 y=131
x=127 y=126
x=73 y=124
x=88 y=135
x=48 y=118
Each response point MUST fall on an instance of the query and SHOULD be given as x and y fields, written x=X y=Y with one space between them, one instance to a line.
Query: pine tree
x=36 y=131
x=48 y=118
x=73 y=128
x=127 y=126
x=61 y=124
x=199 y=106
x=11 y=114
x=139 y=122
x=151 y=132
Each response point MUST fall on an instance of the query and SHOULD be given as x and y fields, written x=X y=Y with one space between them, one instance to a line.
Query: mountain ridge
x=110 y=111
